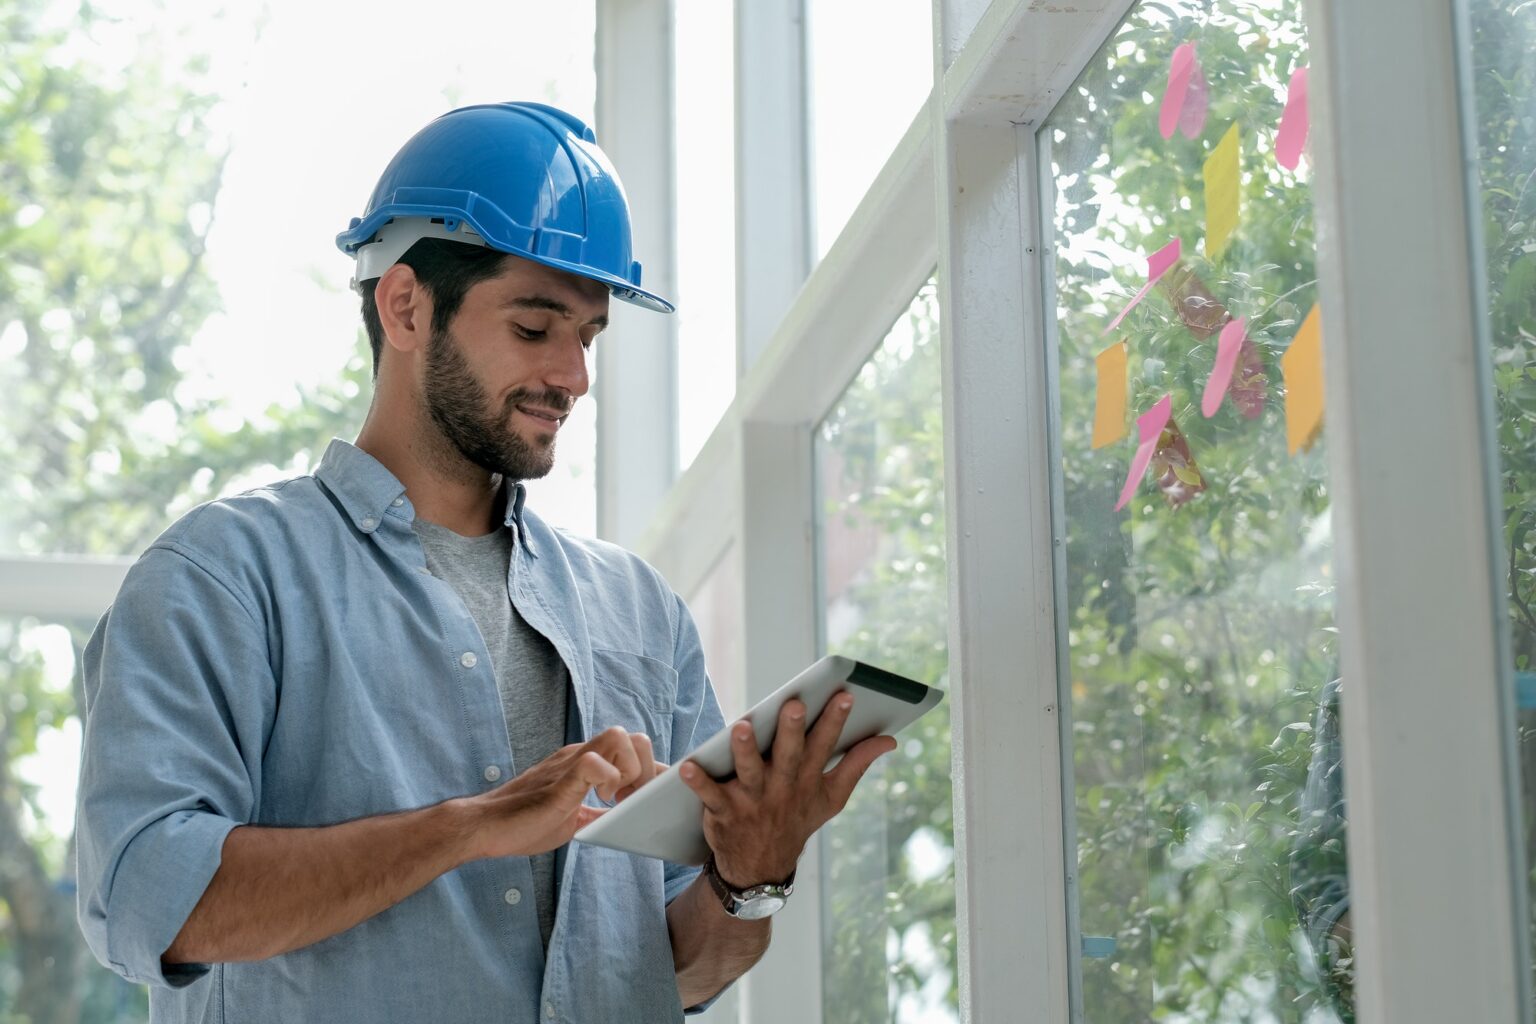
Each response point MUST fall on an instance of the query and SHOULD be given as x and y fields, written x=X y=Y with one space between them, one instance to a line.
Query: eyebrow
x=553 y=305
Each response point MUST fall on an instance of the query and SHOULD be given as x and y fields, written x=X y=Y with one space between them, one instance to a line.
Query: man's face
x=501 y=381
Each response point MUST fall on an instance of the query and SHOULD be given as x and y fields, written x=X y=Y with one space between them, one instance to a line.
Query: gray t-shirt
x=529 y=673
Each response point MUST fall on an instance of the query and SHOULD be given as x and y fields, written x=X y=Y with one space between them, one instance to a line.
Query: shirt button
x=492 y=772
x=549 y=1010
x=468 y=659
x=398 y=502
x=513 y=897
x=425 y=571
x=369 y=522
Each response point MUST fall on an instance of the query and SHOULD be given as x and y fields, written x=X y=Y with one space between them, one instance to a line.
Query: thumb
x=587 y=815
x=842 y=779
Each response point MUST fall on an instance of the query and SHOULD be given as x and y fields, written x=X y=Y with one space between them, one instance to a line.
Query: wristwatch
x=751 y=904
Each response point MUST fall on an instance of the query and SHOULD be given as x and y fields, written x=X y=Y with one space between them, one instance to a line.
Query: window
x=716 y=608
x=1503 y=55
x=889 y=901
x=860 y=108
x=175 y=324
x=1200 y=667
x=705 y=128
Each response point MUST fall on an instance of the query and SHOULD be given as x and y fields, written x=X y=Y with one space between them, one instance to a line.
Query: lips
x=554 y=419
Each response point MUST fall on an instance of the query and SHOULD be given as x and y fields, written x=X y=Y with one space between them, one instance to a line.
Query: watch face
x=759 y=907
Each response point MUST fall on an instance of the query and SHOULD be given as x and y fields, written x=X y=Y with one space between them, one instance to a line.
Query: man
x=341 y=730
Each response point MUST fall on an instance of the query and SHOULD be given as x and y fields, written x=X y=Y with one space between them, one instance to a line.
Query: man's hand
x=757 y=823
x=541 y=808
x=280 y=889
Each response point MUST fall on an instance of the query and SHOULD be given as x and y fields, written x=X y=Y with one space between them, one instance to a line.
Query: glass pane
x=1200 y=652
x=860 y=108
x=705 y=108
x=888 y=951
x=155 y=354
x=175 y=324
x=1503 y=61
x=46 y=974
x=716 y=608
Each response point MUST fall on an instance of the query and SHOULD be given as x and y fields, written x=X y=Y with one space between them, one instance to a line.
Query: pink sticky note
x=1227 y=347
x=1294 y=123
x=1149 y=426
x=1196 y=103
x=1181 y=71
x=1157 y=265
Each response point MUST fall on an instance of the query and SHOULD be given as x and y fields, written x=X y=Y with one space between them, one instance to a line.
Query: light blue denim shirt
x=284 y=658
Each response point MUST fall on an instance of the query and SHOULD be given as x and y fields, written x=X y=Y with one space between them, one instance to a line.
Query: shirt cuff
x=161 y=876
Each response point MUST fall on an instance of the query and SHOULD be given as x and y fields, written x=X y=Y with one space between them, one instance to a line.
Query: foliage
x=889 y=856
x=1504 y=88
x=111 y=176
x=1200 y=632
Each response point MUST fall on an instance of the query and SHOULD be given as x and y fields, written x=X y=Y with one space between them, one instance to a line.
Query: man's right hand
x=541 y=809
x=280 y=889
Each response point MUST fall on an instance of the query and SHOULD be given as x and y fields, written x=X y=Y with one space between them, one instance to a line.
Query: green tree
x=1200 y=626
x=111 y=177
x=1201 y=635
x=889 y=857
x=1503 y=54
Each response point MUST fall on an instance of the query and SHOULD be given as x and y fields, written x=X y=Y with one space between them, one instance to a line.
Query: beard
x=461 y=410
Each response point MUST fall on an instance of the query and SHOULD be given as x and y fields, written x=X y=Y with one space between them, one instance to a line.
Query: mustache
x=552 y=399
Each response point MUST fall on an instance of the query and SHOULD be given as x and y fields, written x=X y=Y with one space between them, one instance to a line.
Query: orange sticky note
x=1109 y=405
x=1302 y=366
x=1223 y=171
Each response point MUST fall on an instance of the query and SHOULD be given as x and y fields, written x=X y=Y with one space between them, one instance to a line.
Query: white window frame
x=1429 y=952
x=1428 y=761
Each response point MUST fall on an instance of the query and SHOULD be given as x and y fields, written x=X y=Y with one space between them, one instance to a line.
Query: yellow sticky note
x=1223 y=171
x=1109 y=406
x=1302 y=366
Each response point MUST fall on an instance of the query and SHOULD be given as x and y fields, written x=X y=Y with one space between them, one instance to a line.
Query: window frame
x=1002 y=66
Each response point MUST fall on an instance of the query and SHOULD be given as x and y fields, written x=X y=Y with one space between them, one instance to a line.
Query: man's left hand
x=757 y=823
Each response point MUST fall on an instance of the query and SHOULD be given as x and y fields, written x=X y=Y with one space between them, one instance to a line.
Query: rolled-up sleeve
x=179 y=696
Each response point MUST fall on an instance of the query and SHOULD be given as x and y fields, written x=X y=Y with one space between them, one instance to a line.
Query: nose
x=567 y=368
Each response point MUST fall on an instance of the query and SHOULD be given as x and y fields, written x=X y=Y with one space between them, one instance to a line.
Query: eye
x=528 y=332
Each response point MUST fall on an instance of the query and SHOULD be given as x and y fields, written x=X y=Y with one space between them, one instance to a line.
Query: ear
x=405 y=309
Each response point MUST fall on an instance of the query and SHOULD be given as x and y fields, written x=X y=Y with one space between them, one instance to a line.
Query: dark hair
x=447 y=270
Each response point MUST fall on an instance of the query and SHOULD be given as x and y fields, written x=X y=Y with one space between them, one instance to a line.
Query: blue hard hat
x=521 y=178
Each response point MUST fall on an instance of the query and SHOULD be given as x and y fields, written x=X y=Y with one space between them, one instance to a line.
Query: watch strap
x=731 y=897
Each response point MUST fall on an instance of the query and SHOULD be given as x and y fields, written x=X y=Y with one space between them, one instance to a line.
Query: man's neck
x=443 y=486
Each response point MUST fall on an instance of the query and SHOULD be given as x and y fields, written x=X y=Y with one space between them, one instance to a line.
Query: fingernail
x=686 y=771
x=743 y=735
x=845 y=703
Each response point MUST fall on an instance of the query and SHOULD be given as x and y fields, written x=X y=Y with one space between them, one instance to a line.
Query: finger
x=617 y=748
x=587 y=815
x=822 y=740
x=749 y=762
x=645 y=756
x=629 y=791
x=710 y=793
x=789 y=741
x=650 y=767
x=593 y=771
x=842 y=779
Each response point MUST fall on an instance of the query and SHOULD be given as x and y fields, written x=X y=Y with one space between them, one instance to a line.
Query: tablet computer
x=665 y=819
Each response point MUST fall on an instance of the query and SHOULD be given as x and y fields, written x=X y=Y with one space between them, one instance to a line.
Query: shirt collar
x=368 y=492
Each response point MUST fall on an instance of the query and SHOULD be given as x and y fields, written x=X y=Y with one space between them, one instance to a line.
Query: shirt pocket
x=635 y=693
